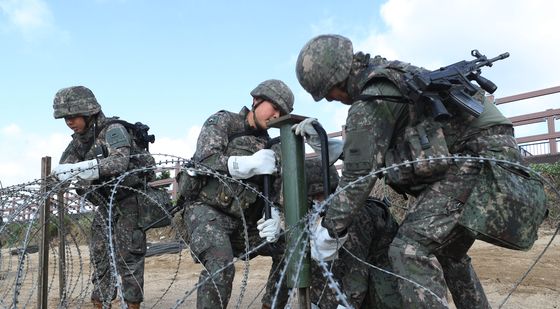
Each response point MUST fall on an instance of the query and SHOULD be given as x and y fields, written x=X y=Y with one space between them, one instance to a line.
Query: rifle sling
x=390 y=98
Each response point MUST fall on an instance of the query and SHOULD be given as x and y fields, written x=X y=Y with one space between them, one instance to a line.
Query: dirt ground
x=497 y=268
x=170 y=279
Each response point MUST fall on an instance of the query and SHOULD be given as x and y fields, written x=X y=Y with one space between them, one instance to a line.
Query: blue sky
x=171 y=64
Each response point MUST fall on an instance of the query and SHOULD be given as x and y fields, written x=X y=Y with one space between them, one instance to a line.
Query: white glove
x=261 y=162
x=306 y=129
x=271 y=228
x=86 y=170
x=323 y=246
x=192 y=172
x=63 y=171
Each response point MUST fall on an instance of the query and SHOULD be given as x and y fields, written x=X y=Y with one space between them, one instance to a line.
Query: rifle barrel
x=499 y=57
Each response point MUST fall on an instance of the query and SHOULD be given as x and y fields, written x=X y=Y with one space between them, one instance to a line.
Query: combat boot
x=133 y=305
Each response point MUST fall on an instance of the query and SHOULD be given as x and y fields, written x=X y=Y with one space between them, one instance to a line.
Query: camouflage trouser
x=431 y=247
x=215 y=239
x=129 y=243
x=369 y=236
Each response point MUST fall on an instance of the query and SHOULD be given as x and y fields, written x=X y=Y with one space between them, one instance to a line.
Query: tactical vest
x=155 y=209
x=380 y=68
x=139 y=158
x=423 y=140
x=228 y=196
x=506 y=206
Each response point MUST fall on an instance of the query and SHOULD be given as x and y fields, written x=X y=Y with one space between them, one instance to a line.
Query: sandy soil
x=170 y=279
x=499 y=269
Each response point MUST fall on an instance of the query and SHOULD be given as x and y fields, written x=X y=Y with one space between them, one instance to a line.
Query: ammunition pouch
x=507 y=205
x=100 y=195
x=425 y=144
x=222 y=196
x=189 y=186
x=96 y=197
x=154 y=208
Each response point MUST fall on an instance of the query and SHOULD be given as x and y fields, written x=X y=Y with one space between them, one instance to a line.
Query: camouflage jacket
x=374 y=125
x=214 y=146
x=114 y=156
x=226 y=134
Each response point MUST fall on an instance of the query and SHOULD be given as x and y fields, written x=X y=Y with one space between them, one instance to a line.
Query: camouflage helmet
x=323 y=62
x=277 y=92
x=75 y=101
x=314 y=176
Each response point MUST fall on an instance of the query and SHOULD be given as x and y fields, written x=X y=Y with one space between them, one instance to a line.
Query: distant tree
x=551 y=171
x=165 y=174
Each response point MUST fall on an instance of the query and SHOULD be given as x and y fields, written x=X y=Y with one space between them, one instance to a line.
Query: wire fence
x=68 y=230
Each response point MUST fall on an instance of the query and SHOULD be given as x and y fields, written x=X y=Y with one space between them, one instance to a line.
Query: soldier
x=382 y=131
x=233 y=144
x=99 y=151
x=369 y=237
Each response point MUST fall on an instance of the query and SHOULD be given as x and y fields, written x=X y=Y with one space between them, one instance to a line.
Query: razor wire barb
x=20 y=231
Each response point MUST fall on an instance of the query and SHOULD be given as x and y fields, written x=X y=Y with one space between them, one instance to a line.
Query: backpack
x=138 y=131
x=140 y=155
x=155 y=206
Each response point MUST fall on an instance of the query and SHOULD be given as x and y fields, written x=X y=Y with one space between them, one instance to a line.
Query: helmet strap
x=253 y=109
x=91 y=122
x=258 y=102
x=256 y=122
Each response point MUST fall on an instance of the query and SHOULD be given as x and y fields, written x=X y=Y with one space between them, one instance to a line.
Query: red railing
x=543 y=145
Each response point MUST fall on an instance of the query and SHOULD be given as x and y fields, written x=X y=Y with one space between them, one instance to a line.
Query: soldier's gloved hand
x=191 y=172
x=63 y=171
x=260 y=163
x=86 y=170
x=323 y=246
x=189 y=168
x=306 y=129
x=271 y=228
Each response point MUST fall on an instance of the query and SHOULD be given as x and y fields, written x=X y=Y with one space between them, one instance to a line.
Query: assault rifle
x=452 y=84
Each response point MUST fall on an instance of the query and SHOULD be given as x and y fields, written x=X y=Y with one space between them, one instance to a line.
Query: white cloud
x=20 y=158
x=11 y=130
x=432 y=33
x=31 y=18
x=183 y=147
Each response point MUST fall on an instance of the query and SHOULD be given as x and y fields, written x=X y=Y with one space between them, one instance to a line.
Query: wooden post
x=61 y=249
x=551 y=131
x=43 y=284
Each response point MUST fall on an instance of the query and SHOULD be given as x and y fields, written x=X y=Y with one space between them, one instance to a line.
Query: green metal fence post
x=295 y=205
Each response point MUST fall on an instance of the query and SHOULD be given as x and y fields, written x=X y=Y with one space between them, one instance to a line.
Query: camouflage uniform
x=215 y=221
x=369 y=237
x=128 y=237
x=374 y=125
